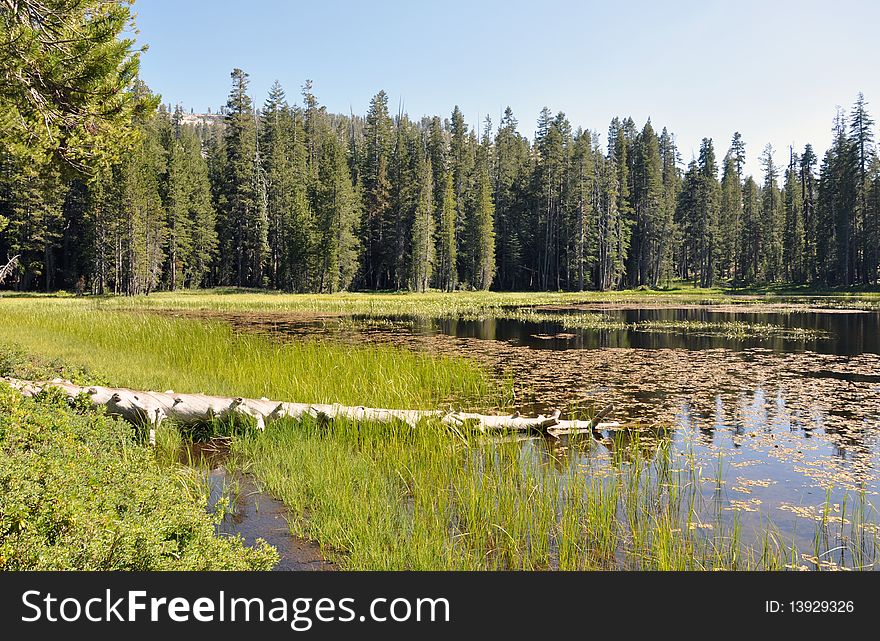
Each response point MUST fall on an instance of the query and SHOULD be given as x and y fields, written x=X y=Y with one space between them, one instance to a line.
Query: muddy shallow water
x=795 y=417
x=252 y=513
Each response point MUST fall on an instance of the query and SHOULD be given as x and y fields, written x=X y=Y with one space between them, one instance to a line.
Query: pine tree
x=612 y=233
x=730 y=216
x=67 y=71
x=861 y=144
x=811 y=230
x=461 y=158
x=619 y=148
x=422 y=234
x=338 y=214
x=243 y=219
x=738 y=154
x=752 y=235
x=202 y=216
x=377 y=189
x=793 y=234
x=511 y=171
x=584 y=203
x=447 y=273
x=483 y=223
x=708 y=205
x=670 y=234
x=648 y=208
x=774 y=217
x=553 y=146
x=34 y=221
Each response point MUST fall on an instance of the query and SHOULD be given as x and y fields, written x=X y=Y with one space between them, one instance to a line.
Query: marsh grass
x=391 y=498
x=594 y=321
x=146 y=351
x=436 y=304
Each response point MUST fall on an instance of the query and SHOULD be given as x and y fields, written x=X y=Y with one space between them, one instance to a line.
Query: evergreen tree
x=774 y=217
x=512 y=176
x=584 y=203
x=708 y=204
x=482 y=237
x=338 y=213
x=811 y=229
x=378 y=215
x=648 y=204
x=33 y=221
x=669 y=232
x=447 y=272
x=861 y=145
x=461 y=158
x=243 y=219
x=793 y=234
x=422 y=235
x=752 y=235
x=730 y=217
x=66 y=77
x=291 y=232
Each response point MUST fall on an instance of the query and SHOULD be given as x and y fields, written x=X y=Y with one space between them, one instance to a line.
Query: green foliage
x=387 y=497
x=65 y=80
x=78 y=493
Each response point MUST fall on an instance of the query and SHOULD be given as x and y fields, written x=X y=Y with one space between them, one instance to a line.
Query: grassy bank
x=440 y=304
x=434 y=304
x=148 y=351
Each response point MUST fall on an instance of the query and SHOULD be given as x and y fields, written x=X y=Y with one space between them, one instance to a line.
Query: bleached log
x=151 y=408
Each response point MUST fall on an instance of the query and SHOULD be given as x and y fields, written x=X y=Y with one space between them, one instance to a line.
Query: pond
x=780 y=407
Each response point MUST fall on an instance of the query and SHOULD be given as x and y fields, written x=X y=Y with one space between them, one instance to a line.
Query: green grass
x=602 y=322
x=150 y=351
x=381 y=498
x=435 y=304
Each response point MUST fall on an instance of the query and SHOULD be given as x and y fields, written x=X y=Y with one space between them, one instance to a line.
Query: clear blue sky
x=772 y=69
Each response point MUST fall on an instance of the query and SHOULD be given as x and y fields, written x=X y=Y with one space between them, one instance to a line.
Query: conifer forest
x=288 y=196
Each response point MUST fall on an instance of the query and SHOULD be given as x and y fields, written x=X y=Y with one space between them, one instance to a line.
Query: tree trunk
x=151 y=408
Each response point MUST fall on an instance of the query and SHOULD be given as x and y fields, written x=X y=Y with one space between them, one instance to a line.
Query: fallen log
x=151 y=408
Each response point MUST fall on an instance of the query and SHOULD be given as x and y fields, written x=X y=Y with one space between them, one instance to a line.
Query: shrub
x=77 y=492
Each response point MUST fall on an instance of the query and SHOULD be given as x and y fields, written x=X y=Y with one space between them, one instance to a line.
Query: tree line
x=293 y=197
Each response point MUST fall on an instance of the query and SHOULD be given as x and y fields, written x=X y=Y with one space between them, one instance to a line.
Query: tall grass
x=144 y=350
x=392 y=498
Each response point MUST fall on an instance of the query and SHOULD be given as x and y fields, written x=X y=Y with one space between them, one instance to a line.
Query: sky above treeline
x=773 y=70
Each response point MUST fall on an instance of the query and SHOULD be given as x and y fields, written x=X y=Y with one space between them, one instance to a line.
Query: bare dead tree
x=8 y=268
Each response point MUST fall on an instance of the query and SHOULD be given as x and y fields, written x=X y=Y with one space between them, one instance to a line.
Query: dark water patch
x=253 y=514
x=852 y=377
x=694 y=328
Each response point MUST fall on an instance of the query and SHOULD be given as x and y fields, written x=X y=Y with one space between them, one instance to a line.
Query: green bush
x=77 y=492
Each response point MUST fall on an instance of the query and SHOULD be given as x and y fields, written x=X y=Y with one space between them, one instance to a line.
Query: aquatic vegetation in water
x=603 y=322
x=388 y=498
